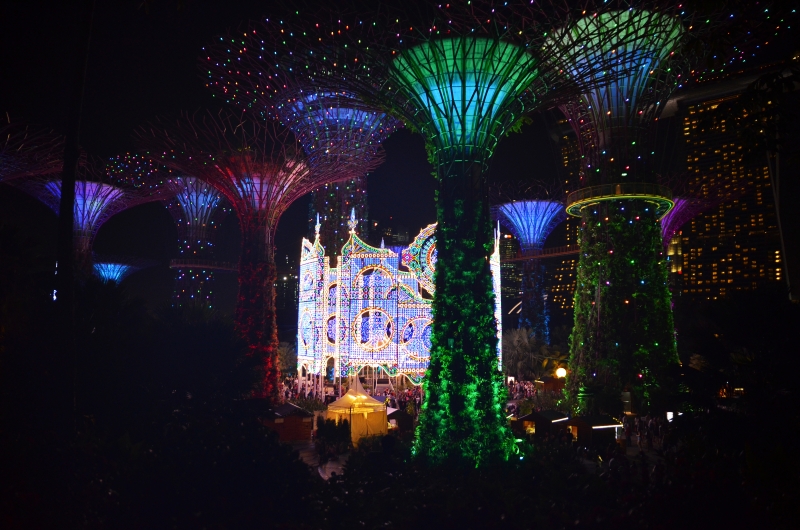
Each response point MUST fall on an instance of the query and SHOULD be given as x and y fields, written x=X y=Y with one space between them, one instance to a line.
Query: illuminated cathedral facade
x=373 y=309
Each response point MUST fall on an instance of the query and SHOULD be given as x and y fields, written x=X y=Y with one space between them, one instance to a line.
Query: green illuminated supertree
x=463 y=75
x=623 y=338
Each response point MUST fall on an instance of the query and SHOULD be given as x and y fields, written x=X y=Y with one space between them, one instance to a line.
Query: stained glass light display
x=531 y=221
x=374 y=309
x=260 y=169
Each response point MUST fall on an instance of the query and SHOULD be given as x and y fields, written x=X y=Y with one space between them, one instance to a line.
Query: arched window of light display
x=420 y=258
x=332 y=292
x=415 y=339
x=373 y=329
x=331 y=329
x=307 y=329
x=375 y=282
x=307 y=285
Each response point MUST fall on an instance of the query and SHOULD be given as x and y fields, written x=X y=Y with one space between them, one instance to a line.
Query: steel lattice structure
x=197 y=209
x=463 y=75
x=26 y=151
x=240 y=72
x=98 y=197
x=260 y=169
x=623 y=337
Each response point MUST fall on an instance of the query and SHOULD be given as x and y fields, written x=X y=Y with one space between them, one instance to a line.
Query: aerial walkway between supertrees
x=260 y=169
x=531 y=213
x=98 y=197
x=623 y=337
x=197 y=209
x=240 y=73
x=463 y=75
x=27 y=151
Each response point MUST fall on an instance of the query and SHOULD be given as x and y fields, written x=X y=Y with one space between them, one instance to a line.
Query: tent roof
x=356 y=400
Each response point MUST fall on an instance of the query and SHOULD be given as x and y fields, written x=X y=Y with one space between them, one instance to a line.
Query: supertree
x=197 y=209
x=27 y=151
x=114 y=269
x=463 y=75
x=241 y=73
x=260 y=169
x=530 y=213
x=623 y=337
x=98 y=197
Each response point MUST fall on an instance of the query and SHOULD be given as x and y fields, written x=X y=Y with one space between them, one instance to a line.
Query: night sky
x=143 y=64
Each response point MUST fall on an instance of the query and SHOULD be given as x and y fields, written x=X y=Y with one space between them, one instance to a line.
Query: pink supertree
x=260 y=169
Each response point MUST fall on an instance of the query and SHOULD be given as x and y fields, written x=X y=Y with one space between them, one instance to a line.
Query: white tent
x=367 y=415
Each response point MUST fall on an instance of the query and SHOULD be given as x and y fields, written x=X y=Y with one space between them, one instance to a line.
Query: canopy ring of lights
x=656 y=194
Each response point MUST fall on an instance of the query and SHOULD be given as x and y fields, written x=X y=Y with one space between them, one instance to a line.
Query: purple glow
x=531 y=221
x=684 y=210
x=92 y=200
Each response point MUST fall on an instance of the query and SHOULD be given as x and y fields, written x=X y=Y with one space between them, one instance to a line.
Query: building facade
x=735 y=246
x=373 y=309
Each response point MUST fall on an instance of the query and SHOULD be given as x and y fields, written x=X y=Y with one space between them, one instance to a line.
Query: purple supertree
x=197 y=208
x=241 y=73
x=98 y=197
x=260 y=169
x=530 y=214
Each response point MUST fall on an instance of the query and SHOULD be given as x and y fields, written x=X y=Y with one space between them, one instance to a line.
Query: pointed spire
x=352 y=224
x=317 y=226
x=382 y=244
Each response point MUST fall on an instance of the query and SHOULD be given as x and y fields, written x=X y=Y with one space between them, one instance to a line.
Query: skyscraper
x=736 y=245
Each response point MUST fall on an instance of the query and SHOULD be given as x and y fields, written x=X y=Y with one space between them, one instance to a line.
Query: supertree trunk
x=464 y=391
x=623 y=338
x=255 y=310
x=534 y=313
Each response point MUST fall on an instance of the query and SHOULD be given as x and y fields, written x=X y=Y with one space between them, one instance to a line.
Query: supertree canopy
x=531 y=221
x=26 y=151
x=463 y=75
x=197 y=208
x=98 y=197
x=242 y=73
x=260 y=169
x=110 y=269
x=623 y=339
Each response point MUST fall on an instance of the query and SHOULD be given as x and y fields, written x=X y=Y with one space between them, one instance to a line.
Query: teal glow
x=463 y=88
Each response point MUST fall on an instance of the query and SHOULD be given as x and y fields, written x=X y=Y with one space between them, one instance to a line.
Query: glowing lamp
x=561 y=373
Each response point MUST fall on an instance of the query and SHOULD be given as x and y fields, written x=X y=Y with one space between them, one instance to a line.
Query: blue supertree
x=114 y=269
x=531 y=221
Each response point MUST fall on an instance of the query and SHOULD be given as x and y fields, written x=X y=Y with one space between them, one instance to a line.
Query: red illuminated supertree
x=26 y=151
x=98 y=196
x=260 y=169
